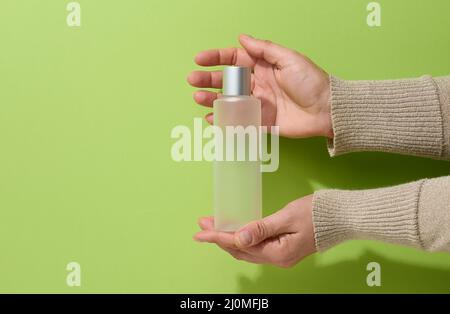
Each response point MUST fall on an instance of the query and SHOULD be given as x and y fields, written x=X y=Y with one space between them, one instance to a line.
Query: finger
x=241 y=255
x=265 y=49
x=271 y=250
x=210 y=118
x=257 y=231
x=274 y=251
x=222 y=238
x=225 y=56
x=206 y=223
x=206 y=79
x=205 y=98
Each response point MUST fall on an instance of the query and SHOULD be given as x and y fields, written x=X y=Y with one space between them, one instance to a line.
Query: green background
x=85 y=120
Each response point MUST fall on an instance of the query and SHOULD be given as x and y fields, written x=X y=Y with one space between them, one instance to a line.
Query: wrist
x=325 y=112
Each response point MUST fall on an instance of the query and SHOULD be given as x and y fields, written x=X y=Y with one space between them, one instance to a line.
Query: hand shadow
x=304 y=165
x=348 y=277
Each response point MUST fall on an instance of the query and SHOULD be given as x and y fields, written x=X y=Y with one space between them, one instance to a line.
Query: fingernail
x=209 y=117
x=199 y=96
x=198 y=240
x=197 y=237
x=247 y=35
x=245 y=238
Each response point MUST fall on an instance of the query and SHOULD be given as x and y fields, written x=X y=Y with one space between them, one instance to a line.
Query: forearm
x=410 y=116
x=415 y=214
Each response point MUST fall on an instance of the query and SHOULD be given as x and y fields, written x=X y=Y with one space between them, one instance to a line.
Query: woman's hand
x=294 y=92
x=283 y=238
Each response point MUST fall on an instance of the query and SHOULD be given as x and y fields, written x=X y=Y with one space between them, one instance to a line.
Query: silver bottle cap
x=236 y=81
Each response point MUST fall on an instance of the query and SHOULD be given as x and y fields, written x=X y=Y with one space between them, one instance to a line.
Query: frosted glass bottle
x=237 y=183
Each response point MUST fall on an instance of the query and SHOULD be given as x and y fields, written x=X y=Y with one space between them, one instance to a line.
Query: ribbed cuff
x=385 y=214
x=443 y=84
x=400 y=116
x=434 y=215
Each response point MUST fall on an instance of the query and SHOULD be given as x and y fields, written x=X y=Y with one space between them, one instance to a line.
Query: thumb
x=266 y=50
x=257 y=231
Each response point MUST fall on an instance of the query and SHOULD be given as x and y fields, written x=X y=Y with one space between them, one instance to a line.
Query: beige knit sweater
x=410 y=116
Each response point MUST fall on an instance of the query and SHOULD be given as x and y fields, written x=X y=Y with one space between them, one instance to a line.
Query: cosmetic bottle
x=237 y=177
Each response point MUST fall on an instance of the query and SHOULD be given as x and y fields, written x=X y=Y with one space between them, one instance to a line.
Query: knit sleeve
x=416 y=214
x=408 y=116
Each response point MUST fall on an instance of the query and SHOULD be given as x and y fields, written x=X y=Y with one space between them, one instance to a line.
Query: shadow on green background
x=306 y=165
x=348 y=277
x=85 y=121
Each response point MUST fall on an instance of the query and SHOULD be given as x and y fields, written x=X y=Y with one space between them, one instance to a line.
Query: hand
x=282 y=239
x=294 y=92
